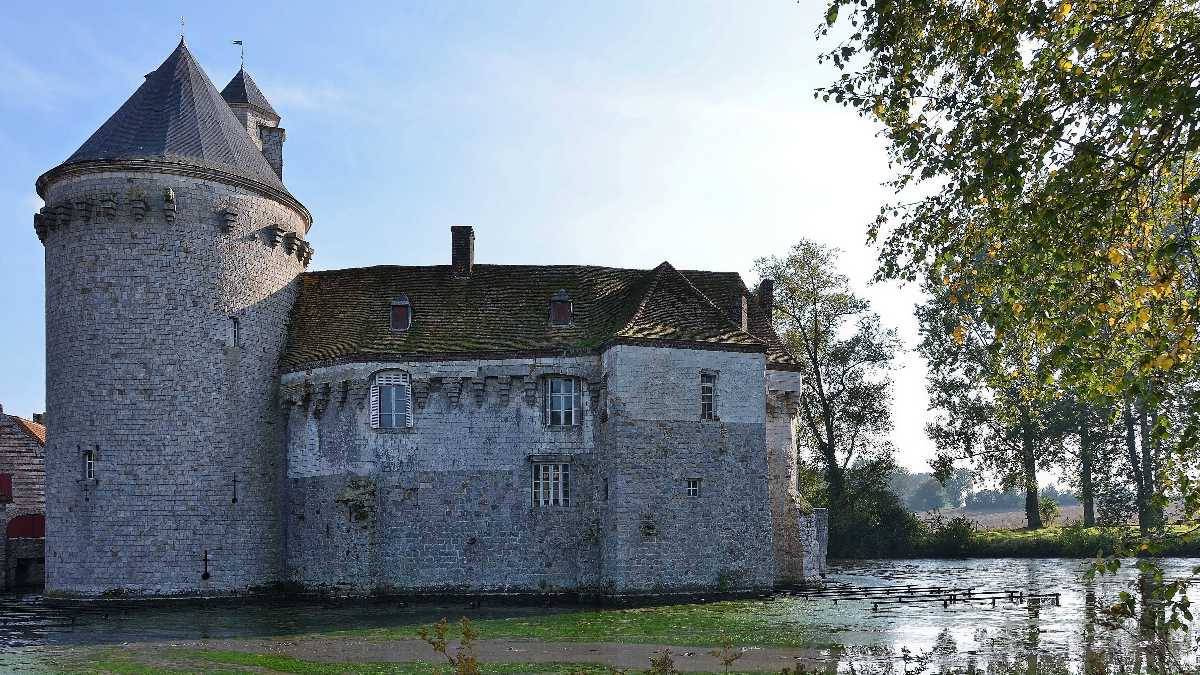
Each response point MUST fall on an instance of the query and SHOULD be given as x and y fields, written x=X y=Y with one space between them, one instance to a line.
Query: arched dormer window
x=560 y=309
x=391 y=400
x=401 y=313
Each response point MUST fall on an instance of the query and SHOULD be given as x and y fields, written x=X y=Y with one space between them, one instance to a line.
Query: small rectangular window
x=551 y=484
x=6 y=491
x=563 y=402
x=708 y=396
x=693 y=487
x=391 y=401
x=401 y=317
x=89 y=464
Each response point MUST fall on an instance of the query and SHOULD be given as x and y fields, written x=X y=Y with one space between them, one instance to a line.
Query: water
x=958 y=634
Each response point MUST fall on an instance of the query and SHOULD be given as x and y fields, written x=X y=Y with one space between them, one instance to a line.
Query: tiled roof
x=177 y=114
x=242 y=90
x=503 y=310
x=35 y=430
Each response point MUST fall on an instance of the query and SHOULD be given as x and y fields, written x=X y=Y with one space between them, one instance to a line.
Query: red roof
x=35 y=430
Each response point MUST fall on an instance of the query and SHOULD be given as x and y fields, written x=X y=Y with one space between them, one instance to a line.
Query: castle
x=220 y=420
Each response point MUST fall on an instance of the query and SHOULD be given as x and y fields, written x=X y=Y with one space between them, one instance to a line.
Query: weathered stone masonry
x=22 y=465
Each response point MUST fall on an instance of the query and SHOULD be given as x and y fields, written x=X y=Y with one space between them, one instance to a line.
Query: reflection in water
x=1016 y=637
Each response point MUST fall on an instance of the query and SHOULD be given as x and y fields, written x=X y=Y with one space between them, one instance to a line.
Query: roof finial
x=243 y=48
x=182 y=28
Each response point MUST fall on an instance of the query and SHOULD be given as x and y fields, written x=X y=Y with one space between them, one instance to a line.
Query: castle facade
x=220 y=420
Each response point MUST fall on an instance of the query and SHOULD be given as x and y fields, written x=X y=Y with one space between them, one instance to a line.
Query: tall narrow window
x=401 y=313
x=560 y=309
x=551 y=484
x=563 y=404
x=391 y=401
x=235 y=332
x=89 y=464
x=6 y=491
x=708 y=396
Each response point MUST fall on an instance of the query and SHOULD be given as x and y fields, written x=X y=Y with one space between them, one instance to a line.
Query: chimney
x=40 y=418
x=462 y=250
x=739 y=311
x=766 y=296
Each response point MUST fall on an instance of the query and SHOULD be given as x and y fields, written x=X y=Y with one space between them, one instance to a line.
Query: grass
x=1071 y=541
x=741 y=623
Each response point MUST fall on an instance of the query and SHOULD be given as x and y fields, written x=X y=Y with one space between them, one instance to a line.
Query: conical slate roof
x=178 y=115
x=242 y=90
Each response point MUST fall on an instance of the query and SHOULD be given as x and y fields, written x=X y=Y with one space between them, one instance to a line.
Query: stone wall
x=448 y=501
x=144 y=276
x=656 y=537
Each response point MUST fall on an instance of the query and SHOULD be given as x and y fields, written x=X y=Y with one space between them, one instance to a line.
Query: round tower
x=172 y=254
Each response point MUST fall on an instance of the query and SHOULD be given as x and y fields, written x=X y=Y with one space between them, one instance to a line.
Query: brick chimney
x=462 y=250
x=766 y=296
x=40 y=418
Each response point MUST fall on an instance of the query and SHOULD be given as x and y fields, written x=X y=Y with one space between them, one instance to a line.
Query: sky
x=618 y=133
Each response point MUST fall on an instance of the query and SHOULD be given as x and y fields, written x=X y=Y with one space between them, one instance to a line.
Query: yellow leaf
x=1017 y=308
x=1065 y=65
x=1115 y=256
x=1143 y=315
x=959 y=334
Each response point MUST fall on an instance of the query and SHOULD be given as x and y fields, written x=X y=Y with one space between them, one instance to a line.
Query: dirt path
x=364 y=650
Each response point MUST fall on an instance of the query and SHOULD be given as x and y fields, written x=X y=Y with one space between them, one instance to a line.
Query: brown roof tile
x=35 y=430
x=503 y=310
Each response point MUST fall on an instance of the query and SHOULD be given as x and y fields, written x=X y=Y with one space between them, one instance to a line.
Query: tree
x=928 y=496
x=989 y=399
x=846 y=356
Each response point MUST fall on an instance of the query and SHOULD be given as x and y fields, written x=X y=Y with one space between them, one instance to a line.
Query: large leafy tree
x=1045 y=158
x=845 y=355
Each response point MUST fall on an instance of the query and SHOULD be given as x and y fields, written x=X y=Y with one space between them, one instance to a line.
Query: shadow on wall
x=23 y=562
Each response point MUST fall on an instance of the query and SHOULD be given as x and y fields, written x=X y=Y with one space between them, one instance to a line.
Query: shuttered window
x=391 y=401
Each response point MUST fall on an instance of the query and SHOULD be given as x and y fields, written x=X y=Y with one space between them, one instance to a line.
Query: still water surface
x=960 y=632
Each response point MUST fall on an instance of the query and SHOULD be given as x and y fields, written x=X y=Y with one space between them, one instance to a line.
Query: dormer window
x=560 y=309
x=401 y=313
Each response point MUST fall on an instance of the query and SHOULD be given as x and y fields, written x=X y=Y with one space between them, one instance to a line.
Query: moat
x=36 y=637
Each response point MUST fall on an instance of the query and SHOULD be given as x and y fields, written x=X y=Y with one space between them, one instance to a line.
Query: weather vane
x=243 y=48
x=182 y=27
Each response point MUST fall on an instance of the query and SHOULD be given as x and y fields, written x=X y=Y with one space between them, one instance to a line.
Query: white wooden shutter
x=546 y=404
x=375 y=404
x=577 y=403
x=408 y=402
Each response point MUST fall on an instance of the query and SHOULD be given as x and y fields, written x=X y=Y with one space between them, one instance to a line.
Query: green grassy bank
x=1070 y=541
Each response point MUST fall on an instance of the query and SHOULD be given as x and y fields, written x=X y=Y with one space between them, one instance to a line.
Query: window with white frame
x=708 y=396
x=551 y=484
x=563 y=402
x=391 y=401
x=89 y=464
x=693 y=487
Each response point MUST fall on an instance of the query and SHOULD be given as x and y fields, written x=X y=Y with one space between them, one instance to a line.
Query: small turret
x=256 y=114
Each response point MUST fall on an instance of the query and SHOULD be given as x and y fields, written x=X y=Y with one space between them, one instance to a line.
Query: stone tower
x=172 y=253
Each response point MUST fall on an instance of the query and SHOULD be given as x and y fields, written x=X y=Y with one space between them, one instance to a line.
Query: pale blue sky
x=614 y=133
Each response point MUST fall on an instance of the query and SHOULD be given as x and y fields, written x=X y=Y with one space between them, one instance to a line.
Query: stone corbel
x=108 y=206
x=41 y=226
x=229 y=219
x=453 y=388
x=291 y=395
x=289 y=242
x=137 y=207
x=343 y=391
x=504 y=390
x=321 y=396
x=359 y=392
x=170 y=208
x=274 y=235
x=420 y=392
x=529 y=386
x=62 y=215
x=83 y=210
x=304 y=252
x=478 y=389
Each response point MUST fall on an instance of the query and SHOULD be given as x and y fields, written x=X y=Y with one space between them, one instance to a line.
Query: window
x=563 y=401
x=560 y=309
x=235 y=332
x=551 y=484
x=693 y=487
x=708 y=396
x=401 y=313
x=89 y=464
x=6 y=493
x=391 y=401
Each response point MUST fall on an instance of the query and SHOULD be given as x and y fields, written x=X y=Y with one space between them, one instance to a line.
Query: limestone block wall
x=22 y=458
x=656 y=537
x=448 y=501
x=146 y=274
